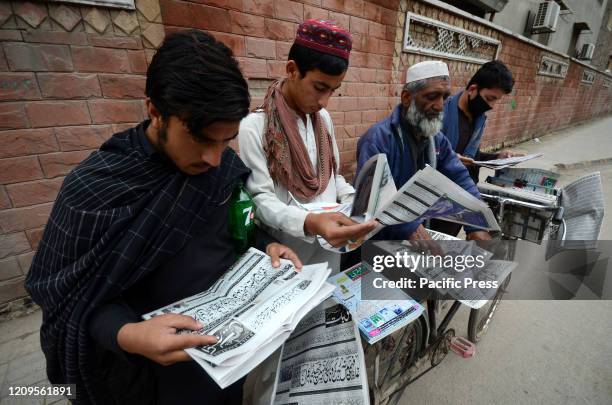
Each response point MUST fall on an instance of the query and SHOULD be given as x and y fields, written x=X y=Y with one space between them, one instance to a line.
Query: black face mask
x=478 y=105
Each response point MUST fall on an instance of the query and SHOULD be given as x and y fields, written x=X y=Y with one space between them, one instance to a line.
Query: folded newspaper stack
x=322 y=362
x=583 y=203
x=251 y=310
x=428 y=194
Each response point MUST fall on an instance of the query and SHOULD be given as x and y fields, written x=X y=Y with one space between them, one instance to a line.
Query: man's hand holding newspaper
x=428 y=194
x=245 y=316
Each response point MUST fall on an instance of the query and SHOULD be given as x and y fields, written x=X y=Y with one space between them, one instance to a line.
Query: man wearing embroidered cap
x=411 y=138
x=289 y=145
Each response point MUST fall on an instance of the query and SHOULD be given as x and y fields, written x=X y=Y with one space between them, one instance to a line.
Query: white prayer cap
x=426 y=70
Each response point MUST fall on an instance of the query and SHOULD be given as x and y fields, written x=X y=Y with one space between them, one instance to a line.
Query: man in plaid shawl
x=142 y=223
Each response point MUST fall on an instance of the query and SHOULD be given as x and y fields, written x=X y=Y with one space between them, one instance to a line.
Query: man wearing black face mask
x=465 y=119
x=464 y=113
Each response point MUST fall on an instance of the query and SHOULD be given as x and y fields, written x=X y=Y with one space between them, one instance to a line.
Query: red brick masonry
x=71 y=76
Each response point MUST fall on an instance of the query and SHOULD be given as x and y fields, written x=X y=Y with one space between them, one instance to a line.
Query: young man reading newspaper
x=464 y=122
x=464 y=114
x=140 y=224
x=290 y=147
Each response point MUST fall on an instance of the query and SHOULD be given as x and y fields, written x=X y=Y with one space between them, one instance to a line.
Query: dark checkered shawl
x=119 y=214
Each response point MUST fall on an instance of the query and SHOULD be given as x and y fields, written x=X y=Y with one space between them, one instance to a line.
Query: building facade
x=73 y=74
x=578 y=23
x=602 y=58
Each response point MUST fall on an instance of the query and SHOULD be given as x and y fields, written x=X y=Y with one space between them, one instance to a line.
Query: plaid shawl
x=118 y=216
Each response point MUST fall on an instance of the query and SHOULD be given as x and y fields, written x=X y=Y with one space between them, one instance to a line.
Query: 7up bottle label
x=241 y=219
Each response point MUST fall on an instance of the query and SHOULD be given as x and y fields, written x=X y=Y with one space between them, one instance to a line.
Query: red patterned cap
x=324 y=36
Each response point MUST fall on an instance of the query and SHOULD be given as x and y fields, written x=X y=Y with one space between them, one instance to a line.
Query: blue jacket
x=383 y=137
x=450 y=126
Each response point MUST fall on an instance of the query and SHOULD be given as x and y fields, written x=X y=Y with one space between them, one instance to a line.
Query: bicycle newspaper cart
x=397 y=360
x=404 y=328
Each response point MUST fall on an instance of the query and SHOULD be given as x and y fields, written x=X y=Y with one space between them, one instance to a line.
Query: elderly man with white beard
x=411 y=138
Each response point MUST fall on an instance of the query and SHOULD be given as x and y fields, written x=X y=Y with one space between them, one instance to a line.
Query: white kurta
x=276 y=208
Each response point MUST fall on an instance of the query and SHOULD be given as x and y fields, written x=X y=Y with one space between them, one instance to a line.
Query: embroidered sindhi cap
x=426 y=70
x=324 y=36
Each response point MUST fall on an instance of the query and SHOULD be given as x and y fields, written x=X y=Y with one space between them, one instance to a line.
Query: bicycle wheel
x=480 y=318
x=393 y=358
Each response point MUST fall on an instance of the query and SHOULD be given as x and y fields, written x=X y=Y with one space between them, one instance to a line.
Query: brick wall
x=260 y=32
x=537 y=105
x=71 y=76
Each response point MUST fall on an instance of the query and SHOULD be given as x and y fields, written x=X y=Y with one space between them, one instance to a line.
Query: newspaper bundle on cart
x=322 y=362
x=251 y=310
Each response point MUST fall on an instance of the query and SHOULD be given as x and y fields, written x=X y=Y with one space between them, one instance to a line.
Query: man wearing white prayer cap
x=411 y=138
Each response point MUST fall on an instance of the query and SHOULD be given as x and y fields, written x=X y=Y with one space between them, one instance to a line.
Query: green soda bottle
x=241 y=219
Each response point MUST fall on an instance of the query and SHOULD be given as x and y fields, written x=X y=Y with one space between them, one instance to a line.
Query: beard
x=426 y=127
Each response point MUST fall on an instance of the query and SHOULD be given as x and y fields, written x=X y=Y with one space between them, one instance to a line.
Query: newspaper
x=507 y=162
x=530 y=185
x=251 y=310
x=322 y=362
x=494 y=270
x=375 y=318
x=374 y=188
x=583 y=210
x=435 y=235
x=527 y=199
x=583 y=206
x=428 y=194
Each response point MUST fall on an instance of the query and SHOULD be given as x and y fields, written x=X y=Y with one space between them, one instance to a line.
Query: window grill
x=553 y=67
x=588 y=77
x=427 y=36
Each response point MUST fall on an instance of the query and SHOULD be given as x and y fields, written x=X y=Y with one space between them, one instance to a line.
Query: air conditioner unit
x=546 y=18
x=586 y=53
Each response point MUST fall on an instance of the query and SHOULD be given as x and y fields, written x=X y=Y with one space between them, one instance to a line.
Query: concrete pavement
x=574 y=152
x=570 y=146
x=21 y=360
